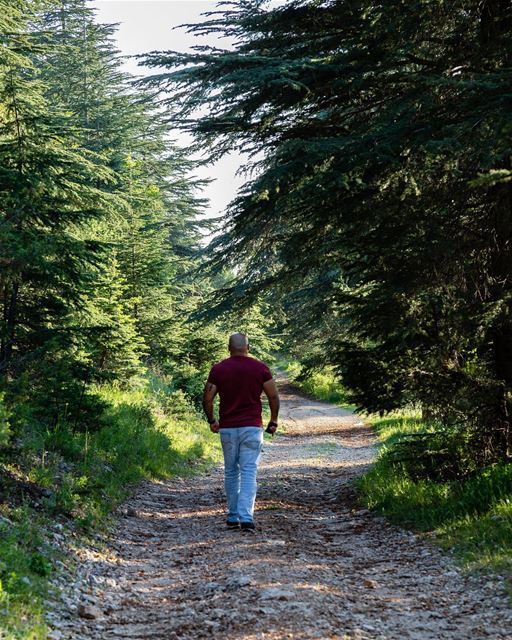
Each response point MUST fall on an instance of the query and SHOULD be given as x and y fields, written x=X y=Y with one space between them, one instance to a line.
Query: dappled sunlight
x=317 y=566
x=358 y=241
x=310 y=464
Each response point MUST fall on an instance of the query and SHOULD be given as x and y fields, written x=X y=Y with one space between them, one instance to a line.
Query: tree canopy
x=378 y=211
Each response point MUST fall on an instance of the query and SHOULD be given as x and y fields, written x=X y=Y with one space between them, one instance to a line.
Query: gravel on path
x=317 y=567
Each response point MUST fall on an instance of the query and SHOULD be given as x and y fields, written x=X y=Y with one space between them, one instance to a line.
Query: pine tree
x=50 y=189
x=117 y=347
x=119 y=123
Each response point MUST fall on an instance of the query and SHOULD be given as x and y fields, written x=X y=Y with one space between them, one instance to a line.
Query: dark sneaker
x=232 y=524
x=247 y=526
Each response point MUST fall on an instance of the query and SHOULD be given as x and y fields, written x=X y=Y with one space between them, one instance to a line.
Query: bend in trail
x=317 y=568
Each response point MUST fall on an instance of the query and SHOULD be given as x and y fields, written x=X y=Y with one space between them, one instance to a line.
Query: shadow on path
x=318 y=567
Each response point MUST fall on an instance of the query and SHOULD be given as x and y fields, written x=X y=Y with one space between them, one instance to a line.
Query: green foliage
x=115 y=347
x=4 y=423
x=378 y=218
x=50 y=189
x=321 y=384
x=24 y=565
x=98 y=230
x=472 y=516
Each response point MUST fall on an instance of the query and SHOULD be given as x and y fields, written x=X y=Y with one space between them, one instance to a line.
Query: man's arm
x=210 y=391
x=270 y=389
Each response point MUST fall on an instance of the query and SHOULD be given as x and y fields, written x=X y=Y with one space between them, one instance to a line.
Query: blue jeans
x=242 y=449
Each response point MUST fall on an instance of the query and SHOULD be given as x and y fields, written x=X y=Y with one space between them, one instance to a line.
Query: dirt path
x=317 y=568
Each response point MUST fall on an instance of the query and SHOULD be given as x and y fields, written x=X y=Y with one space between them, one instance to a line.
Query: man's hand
x=214 y=426
x=271 y=427
x=270 y=389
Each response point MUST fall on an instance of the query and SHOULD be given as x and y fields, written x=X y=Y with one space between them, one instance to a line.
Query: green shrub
x=4 y=422
x=190 y=381
x=437 y=454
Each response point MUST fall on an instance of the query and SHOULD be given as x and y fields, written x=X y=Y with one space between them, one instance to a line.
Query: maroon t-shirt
x=239 y=381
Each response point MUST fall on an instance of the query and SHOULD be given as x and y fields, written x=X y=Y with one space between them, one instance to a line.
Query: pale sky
x=147 y=25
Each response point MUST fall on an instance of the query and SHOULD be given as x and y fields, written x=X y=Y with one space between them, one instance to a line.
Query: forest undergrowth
x=76 y=480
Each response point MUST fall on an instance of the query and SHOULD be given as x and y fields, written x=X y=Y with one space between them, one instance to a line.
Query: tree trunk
x=10 y=312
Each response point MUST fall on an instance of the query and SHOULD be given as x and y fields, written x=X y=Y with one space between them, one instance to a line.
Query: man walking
x=239 y=380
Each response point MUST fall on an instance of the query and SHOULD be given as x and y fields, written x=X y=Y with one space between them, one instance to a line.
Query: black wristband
x=272 y=422
x=212 y=421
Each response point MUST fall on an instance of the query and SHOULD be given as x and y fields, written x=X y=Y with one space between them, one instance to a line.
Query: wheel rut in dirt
x=317 y=567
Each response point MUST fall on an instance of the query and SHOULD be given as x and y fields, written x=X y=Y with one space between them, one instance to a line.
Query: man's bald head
x=238 y=343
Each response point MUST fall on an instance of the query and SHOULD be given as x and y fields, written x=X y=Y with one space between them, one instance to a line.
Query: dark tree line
x=379 y=213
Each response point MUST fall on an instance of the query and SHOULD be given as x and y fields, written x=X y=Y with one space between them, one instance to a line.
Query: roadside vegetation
x=321 y=384
x=470 y=515
x=76 y=480
x=468 y=512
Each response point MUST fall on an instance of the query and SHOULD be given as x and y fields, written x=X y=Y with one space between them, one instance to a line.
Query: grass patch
x=472 y=517
x=322 y=385
x=78 y=478
x=25 y=563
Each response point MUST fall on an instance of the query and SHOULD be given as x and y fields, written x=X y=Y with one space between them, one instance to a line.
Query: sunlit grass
x=142 y=435
x=322 y=385
x=472 y=517
x=24 y=567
